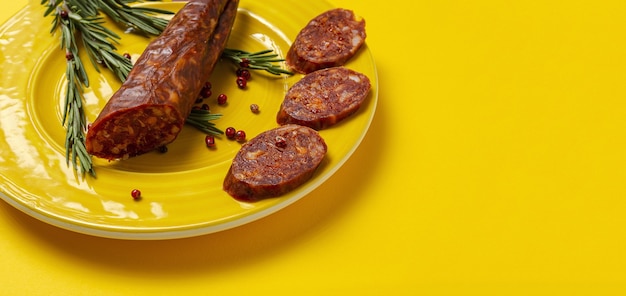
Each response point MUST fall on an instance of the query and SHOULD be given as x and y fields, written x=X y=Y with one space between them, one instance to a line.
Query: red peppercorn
x=245 y=63
x=254 y=108
x=241 y=82
x=69 y=56
x=205 y=93
x=240 y=136
x=221 y=99
x=64 y=14
x=244 y=73
x=136 y=194
x=280 y=142
x=206 y=90
x=230 y=132
x=127 y=55
x=209 y=141
x=206 y=107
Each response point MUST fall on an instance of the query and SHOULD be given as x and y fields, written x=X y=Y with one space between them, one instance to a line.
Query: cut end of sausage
x=323 y=98
x=275 y=162
x=328 y=40
x=149 y=109
x=132 y=132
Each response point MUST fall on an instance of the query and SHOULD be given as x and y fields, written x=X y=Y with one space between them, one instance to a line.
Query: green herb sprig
x=261 y=60
x=202 y=120
x=80 y=21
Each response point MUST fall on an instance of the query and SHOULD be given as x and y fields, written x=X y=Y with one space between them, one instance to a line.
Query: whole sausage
x=275 y=162
x=324 y=97
x=328 y=40
x=150 y=108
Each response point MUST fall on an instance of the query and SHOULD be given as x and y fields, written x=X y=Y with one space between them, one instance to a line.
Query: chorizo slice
x=275 y=162
x=328 y=40
x=150 y=108
x=323 y=98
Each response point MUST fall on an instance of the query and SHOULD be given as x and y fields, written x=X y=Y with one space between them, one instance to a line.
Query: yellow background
x=495 y=165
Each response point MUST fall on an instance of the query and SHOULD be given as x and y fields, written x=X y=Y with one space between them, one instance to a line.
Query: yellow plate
x=181 y=189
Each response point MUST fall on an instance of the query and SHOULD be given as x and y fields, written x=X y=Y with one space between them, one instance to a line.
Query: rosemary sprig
x=74 y=118
x=260 y=60
x=139 y=19
x=202 y=120
x=99 y=42
x=80 y=20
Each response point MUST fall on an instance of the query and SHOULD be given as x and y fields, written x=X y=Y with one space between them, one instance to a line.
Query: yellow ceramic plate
x=181 y=189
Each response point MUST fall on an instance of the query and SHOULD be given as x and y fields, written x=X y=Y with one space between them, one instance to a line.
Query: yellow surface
x=494 y=166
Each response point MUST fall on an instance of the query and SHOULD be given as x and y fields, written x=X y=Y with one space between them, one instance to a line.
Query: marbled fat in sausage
x=324 y=97
x=150 y=108
x=328 y=40
x=275 y=162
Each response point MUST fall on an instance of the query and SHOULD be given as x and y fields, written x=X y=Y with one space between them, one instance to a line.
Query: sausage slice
x=150 y=108
x=328 y=40
x=275 y=162
x=324 y=98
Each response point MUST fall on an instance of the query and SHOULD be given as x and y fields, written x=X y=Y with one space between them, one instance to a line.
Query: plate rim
x=189 y=230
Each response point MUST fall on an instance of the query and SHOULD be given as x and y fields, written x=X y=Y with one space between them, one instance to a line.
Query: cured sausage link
x=150 y=108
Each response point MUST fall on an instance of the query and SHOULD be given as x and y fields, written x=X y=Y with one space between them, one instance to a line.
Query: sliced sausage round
x=275 y=162
x=324 y=98
x=328 y=40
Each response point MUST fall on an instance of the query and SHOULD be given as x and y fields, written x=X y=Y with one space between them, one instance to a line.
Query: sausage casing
x=323 y=98
x=150 y=108
x=328 y=40
x=275 y=162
